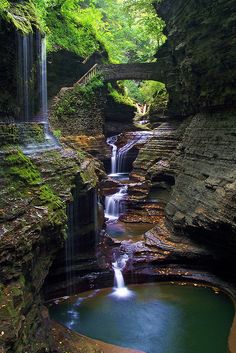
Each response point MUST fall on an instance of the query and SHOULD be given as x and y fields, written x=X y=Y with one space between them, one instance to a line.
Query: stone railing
x=88 y=76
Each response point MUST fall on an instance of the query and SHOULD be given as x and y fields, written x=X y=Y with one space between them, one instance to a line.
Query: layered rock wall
x=198 y=61
x=198 y=65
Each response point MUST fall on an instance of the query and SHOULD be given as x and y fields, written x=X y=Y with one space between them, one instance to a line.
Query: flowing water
x=114 y=205
x=160 y=318
x=111 y=141
x=120 y=290
x=25 y=76
x=32 y=73
x=119 y=155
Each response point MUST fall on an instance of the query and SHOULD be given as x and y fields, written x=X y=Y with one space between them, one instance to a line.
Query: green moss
x=25 y=180
x=22 y=169
x=56 y=208
x=79 y=98
x=32 y=133
x=9 y=134
x=21 y=134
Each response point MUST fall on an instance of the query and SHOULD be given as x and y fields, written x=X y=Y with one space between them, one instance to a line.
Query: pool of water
x=127 y=231
x=159 y=318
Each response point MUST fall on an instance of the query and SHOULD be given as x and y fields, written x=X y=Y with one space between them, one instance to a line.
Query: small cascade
x=118 y=156
x=120 y=290
x=111 y=142
x=121 y=155
x=114 y=205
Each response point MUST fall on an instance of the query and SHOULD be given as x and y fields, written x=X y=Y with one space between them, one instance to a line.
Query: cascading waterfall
x=121 y=156
x=120 y=290
x=114 y=205
x=69 y=248
x=118 y=156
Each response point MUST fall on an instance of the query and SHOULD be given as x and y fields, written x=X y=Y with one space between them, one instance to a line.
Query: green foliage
x=93 y=85
x=57 y=133
x=130 y=30
x=119 y=96
x=150 y=90
x=152 y=93
x=23 y=15
x=80 y=97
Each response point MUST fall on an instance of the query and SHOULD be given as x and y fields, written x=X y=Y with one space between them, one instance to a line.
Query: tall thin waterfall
x=32 y=58
x=32 y=93
x=25 y=76
x=43 y=81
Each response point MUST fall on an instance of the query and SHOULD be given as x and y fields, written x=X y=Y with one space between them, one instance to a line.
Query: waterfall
x=25 y=76
x=82 y=233
x=121 y=155
x=69 y=248
x=114 y=205
x=118 y=156
x=111 y=142
x=32 y=93
x=43 y=80
x=120 y=290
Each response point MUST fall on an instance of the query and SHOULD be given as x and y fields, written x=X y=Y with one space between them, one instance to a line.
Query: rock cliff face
x=33 y=196
x=203 y=198
x=197 y=155
x=198 y=61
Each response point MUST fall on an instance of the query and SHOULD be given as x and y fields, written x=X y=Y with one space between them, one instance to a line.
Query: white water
x=119 y=155
x=26 y=91
x=114 y=206
x=111 y=141
x=25 y=65
x=120 y=290
x=43 y=80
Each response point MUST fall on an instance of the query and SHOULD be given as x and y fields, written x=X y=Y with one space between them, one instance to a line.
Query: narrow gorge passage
x=117 y=176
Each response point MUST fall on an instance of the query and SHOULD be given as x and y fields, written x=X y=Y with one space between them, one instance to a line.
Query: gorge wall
x=198 y=67
x=198 y=60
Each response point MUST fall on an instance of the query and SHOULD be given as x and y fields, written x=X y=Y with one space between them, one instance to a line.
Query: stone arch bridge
x=116 y=72
x=143 y=71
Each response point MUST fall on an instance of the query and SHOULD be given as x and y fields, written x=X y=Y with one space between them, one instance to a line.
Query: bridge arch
x=138 y=71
